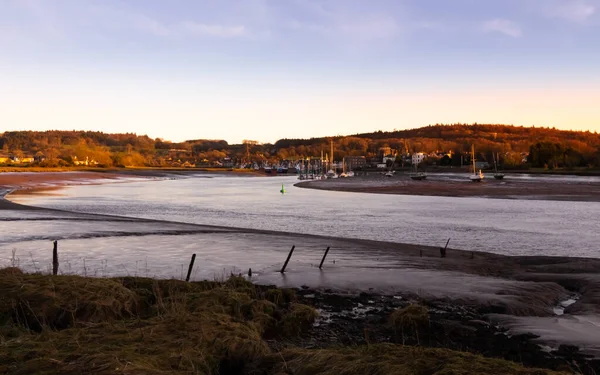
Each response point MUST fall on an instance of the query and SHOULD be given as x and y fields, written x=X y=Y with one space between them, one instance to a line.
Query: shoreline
x=441 y=186
x=524 y=287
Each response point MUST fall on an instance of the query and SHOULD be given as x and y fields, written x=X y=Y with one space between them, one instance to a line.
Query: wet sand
x=547 y=189
x=518 y=290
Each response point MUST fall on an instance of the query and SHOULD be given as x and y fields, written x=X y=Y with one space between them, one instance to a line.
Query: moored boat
x=475 y=177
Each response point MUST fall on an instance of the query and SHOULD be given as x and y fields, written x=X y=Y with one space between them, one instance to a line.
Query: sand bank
x=576 y=189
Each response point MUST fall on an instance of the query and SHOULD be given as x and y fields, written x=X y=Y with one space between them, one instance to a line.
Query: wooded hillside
x=547 y=147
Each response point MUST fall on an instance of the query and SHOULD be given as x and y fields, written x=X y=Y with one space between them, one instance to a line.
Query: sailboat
x=282 y=191
x=475 y=177
x=418 y=175
x=331 y=172
x=344 y=172
x=497 y=175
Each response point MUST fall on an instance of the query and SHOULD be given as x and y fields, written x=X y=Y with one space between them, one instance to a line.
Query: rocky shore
x=369 y=319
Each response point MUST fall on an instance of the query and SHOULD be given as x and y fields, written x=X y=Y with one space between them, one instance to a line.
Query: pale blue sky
x=268 y=69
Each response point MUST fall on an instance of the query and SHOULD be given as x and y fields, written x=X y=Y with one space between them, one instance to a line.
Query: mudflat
x=586 y=190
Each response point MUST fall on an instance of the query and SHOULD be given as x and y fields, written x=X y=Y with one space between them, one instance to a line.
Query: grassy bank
x=75 y=325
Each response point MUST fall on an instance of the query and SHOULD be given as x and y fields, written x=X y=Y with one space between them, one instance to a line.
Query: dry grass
x=73 y=325
x=386 y=359
x=409 y=320
x=77 y=325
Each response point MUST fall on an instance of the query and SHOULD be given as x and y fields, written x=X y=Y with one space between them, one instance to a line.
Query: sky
x=269 y=69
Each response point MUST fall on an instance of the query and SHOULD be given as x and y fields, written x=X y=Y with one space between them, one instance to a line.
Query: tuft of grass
x=409 y=320
x=38 y=301
x=298 y=319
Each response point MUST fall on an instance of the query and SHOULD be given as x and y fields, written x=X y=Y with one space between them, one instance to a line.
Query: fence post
x=55 y=258
x=288 y=259
x=443 y=249
x=190 y=267
x=324 y=256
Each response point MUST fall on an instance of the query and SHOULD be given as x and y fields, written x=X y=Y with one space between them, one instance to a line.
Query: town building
x=355 y=162
x=417 y=158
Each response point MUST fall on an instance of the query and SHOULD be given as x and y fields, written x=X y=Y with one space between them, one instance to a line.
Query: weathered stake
x=324 y=256
x=55 y=258
x=288 y=259
x=443 y=249
x=191 y=267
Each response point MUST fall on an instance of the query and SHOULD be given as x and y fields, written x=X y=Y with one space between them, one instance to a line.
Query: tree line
x=517 y=146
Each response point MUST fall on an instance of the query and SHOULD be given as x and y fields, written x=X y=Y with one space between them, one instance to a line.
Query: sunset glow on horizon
x=265 y=70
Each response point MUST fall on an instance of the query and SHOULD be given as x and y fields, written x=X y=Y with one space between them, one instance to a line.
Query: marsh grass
x=384 y=359
x=133 y=325
x=409 y=320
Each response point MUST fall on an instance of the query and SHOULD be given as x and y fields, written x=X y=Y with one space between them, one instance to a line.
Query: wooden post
x=249 y=272
x=288 y=259
x=191 y=267
x=443 y=249
x=55 y=258
x=324 y=256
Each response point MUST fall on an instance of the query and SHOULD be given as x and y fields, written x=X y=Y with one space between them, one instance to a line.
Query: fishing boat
x=497 y=175
x=418 y=175
x=475 y=177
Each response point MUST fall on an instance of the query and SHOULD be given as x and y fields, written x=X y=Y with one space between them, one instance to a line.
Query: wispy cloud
x=215 y=30
x=183 y=29
x=349 y=20
x=572 y=10
x=149 y=25
x=503 y=26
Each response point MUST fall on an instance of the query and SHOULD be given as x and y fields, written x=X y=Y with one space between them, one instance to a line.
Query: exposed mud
x=585 y=190
x=351 y=320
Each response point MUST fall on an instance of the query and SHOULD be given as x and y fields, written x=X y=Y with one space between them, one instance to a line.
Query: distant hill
x=549 y=146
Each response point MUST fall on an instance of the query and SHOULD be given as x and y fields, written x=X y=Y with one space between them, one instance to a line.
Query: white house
x=391 y=158
x=417 y=158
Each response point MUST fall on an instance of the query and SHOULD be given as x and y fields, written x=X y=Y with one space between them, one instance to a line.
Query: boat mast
x=495 y=162
x=473 y=157
x=332 y=167
x=322 y=167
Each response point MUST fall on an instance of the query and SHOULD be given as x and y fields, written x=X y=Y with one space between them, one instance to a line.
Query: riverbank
x=72 y=324
x=520 y=294
x=512 y=187
x=25 y=181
